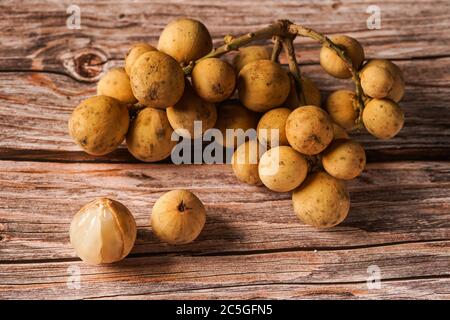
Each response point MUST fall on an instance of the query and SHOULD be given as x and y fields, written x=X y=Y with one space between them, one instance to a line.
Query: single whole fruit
x=309 y=130
x=383 y=118
x=157 y=80
x=149 y=137
x=245 y=162
x=99 y=124
x=213 y=79
x=103 y=231
x=187 y=110
x=282 y=169
x=232 y=115
x=185 y=40
x=341 y=106
x=116 y=84
x=178 y=217
x=310 y=92
x=250 y=54
x=273 y=122
x=263 y=85
x=382 y=79
x=333 y=64
x=321 y=201
x=344 y=159
x=135 y=52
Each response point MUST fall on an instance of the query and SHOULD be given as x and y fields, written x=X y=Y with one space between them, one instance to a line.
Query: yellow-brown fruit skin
x=382 y=79
x=116 y=84
x=344 y=159
x=398 y=89
x=135 y=52
x=83 y=235
x=321 y=201
x=310 y=92
x=233 y=115
x=339 y=132
x=157 y=80
x=99 y=124
x=274 y=119
x=333 y=64
x=245 y=163
x=213 y=79
x=292 y=169
x=383 y=118
x=263 y=85
x=178 y=217
x=185 y=40
x=250 y=54
x=149 y=137
x=309 y=130
x=188 y=109
x=340 y=106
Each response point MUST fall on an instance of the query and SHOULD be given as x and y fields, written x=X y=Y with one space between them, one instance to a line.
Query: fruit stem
x=276 y=29
x=288 y=46
x=276 y=50
x=286 y=29
x=310 y=33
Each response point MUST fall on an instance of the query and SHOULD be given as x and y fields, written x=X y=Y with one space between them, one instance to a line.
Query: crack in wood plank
x=228 y=253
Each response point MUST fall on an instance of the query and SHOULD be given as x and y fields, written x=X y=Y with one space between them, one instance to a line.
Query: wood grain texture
x=38 y=122
x=299 y=274
x=253 y=246
x=36 y=37
x=240 y=217
x=40 y=41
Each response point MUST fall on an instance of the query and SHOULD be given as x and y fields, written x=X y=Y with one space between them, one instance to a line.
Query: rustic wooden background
x=253 y=246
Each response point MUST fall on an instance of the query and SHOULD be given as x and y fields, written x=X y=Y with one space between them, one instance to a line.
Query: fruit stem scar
x=182 y=206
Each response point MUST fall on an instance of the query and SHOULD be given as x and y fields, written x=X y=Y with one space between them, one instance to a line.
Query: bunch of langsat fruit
x=184 y=80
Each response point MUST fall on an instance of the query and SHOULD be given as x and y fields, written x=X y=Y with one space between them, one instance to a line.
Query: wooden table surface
x=253 y=246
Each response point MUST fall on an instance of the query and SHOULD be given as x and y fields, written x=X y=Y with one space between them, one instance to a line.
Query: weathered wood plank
x=35 y=36
x=421 y=268
x=253 y=246
x=430 y=289
x=35 y=107
x=391 y=203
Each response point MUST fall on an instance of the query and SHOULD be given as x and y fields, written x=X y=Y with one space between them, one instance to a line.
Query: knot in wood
x=86 y=65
